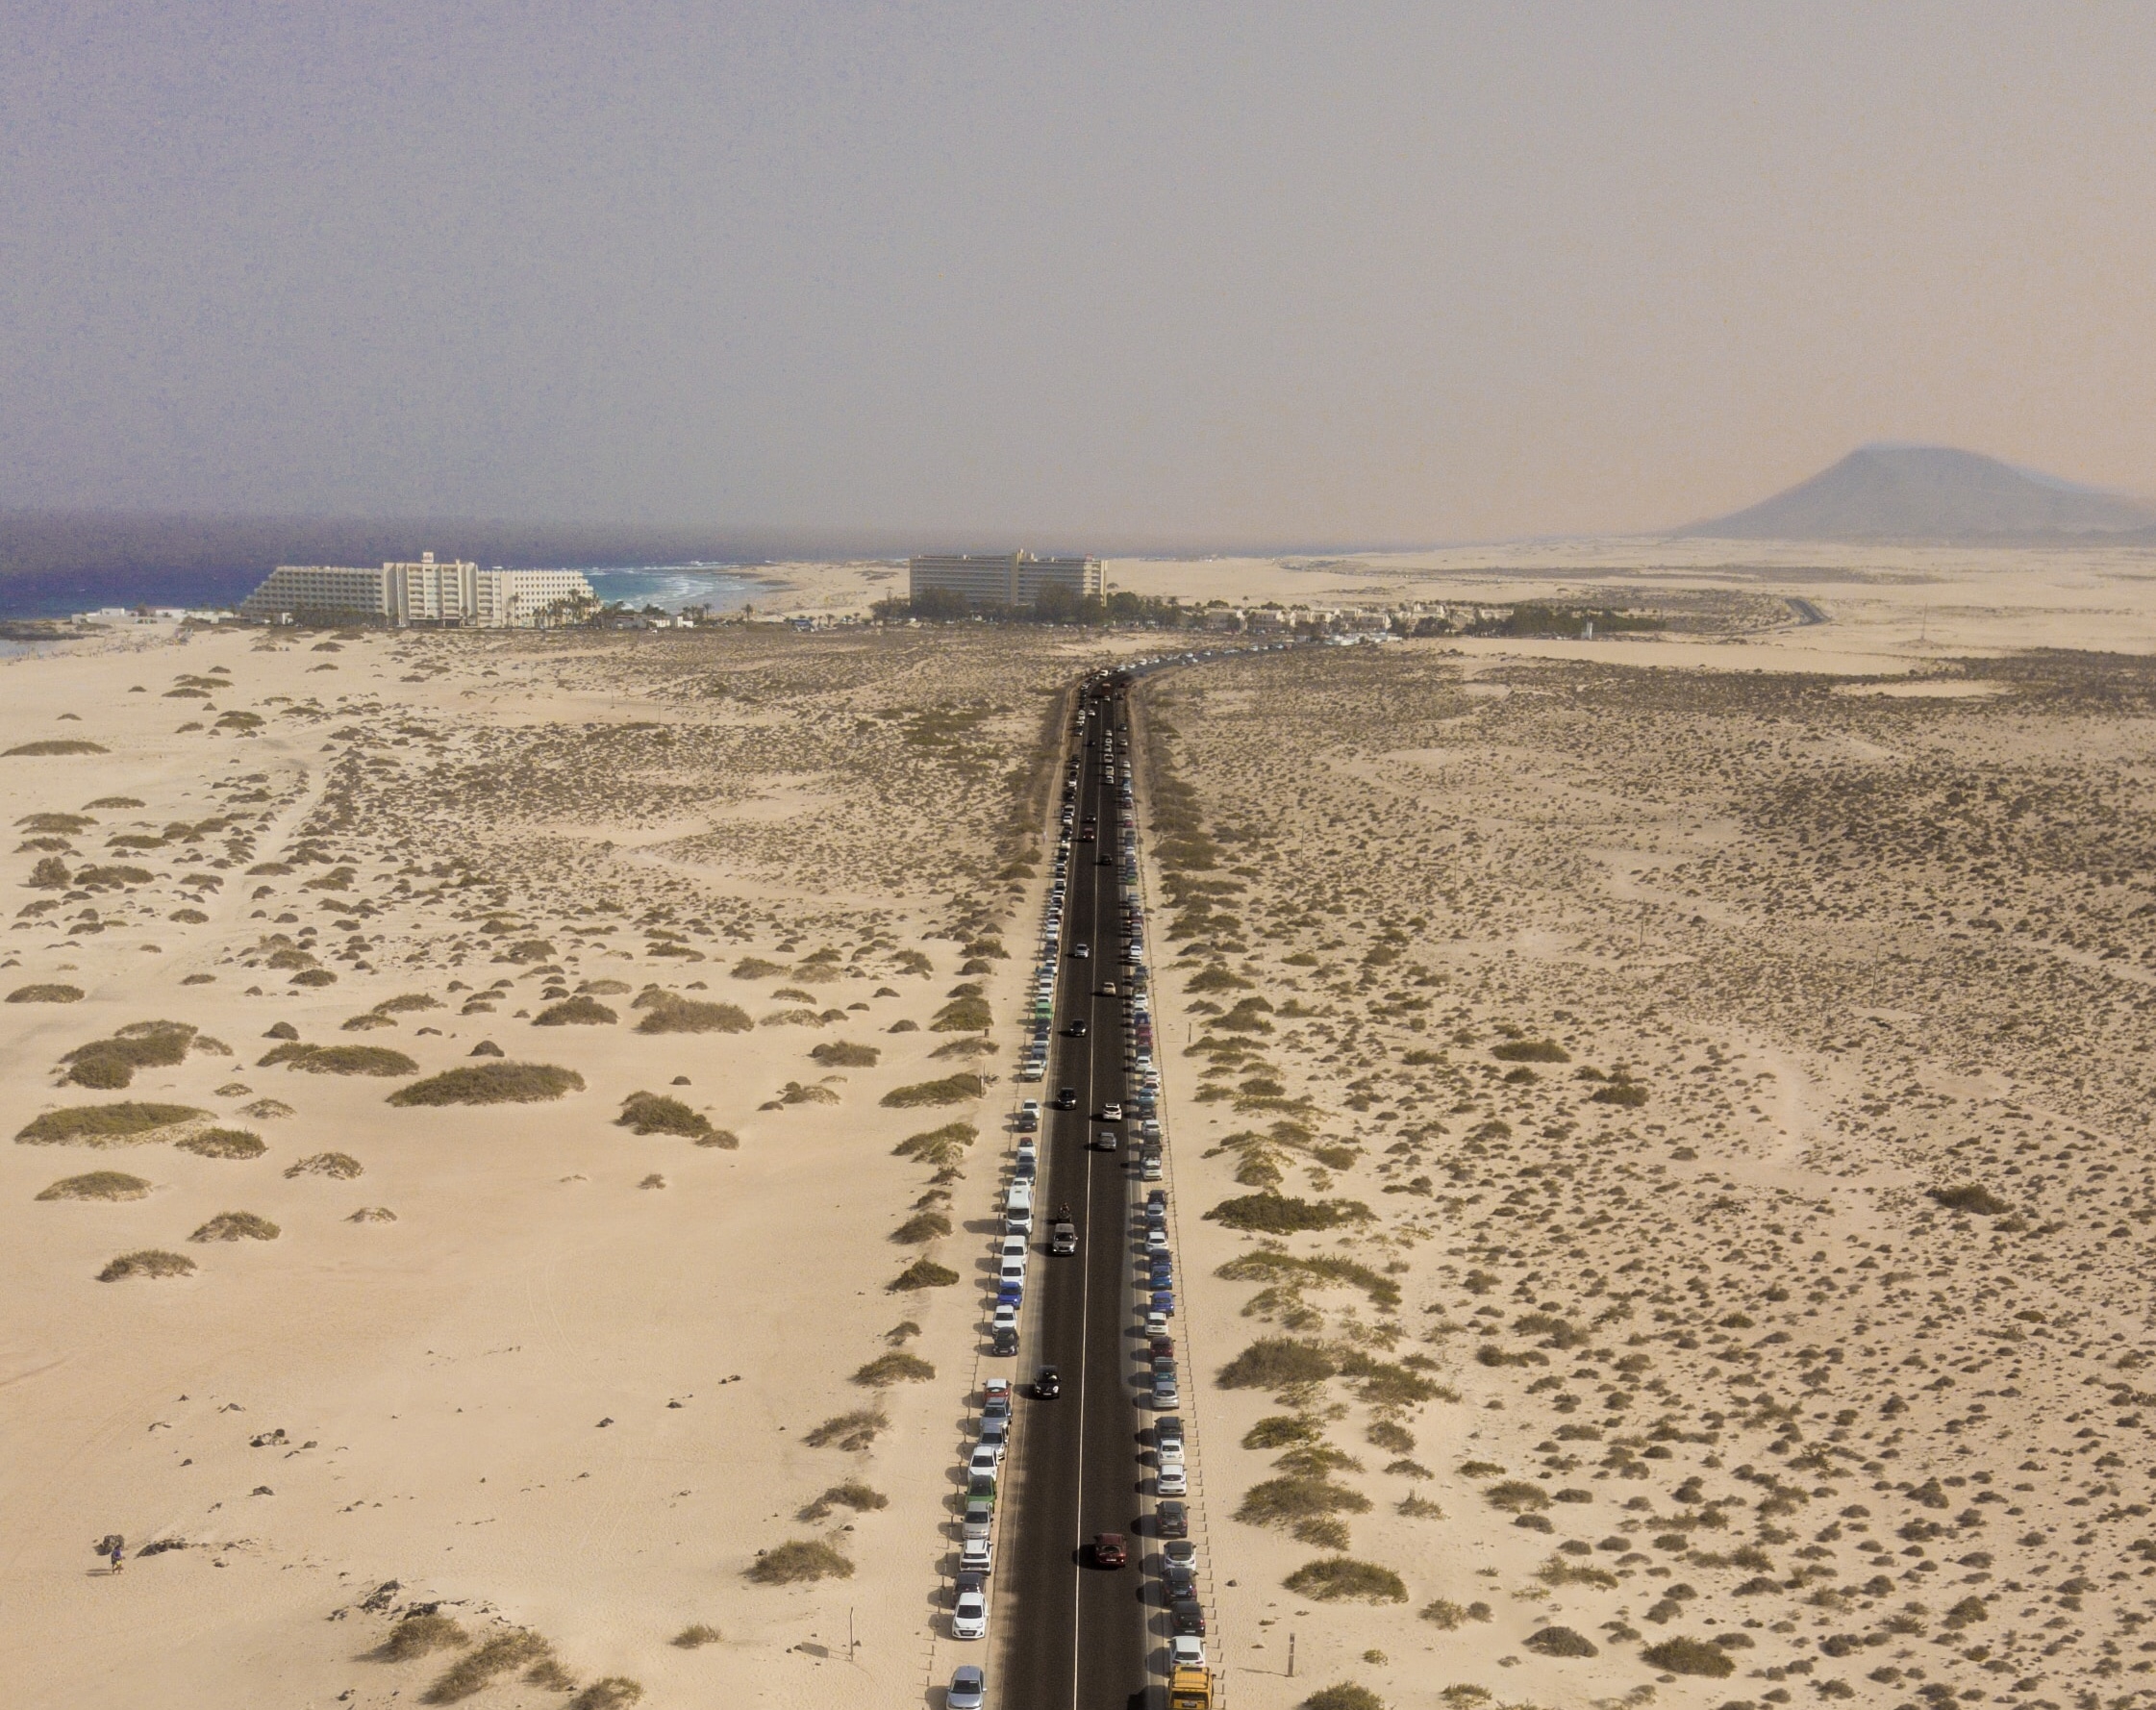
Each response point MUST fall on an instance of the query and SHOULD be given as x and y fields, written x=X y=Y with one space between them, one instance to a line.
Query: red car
x=1110 y=1550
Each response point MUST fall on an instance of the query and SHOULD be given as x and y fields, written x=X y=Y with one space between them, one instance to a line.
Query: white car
x=1007 y=1319
x=976 y=1556
x=1112 y=1113
x=1156 y=1240
x=985 y=1459
x=1173 y=1481
x=969 y=1617
x=1013 y=1246
x=1186 y=1653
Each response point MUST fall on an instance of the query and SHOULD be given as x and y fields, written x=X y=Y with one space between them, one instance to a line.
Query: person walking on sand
x=111 y=1546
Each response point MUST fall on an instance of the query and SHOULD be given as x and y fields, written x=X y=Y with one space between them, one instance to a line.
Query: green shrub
x=1531 y=1050
x=476 y=1670
x=837 y=1054
x=417 y=1635
x=798 y=1561
x=340 y=1166
x=237 y=1225
x=375 y=1060
x=1444 y=1614
x=1275 y=1362
x=98 y=1184
x=853 y=1493
x=491 y=1083
x=1343 y=1695
x=755 y=967
x=671 y=1013
x=952 y=1088
x=920 y=1227
x=1281 y=1430
x=895 y=1367
x=1283 y=1501
x=105 y=1124
x=46 y=994
x=1970 y=1196
x=1562 y=1641
x=1341 y=1579
x=614 y=1692
x=576 y=1012
x=696 y=1634
x=58 y=745
x=1690 y=1656
x=1628 y=1094
x=938 y=1146
x=963 y=1014
x=1275 y=1214
x=850 y=1432
x=1517 y=1495
x=223 y=1142
x=150 y=1262
x=654 y=1112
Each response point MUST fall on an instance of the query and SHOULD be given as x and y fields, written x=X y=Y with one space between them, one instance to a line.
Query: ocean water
x=723 y=587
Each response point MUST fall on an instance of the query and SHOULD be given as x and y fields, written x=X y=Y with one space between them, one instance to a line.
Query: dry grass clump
x=98 y=1184
x=340 y=1166
x=850 y=1432
x=895 y=1367
x=1343 y=1695
x=46 y=994
x=575 y=1012
x=1690 y=1656
x=968 y=1014
x=952 y=1088
x=938 y=1146
x=125 y=1123
x=372 y=1214
x=375 y=1060
x=223 y=1142
x=1295 y=1499
x=1561 y=1641
x=1446 y=1616
x=923 y=1226
x=1275 y=1362
x=110 y=1064
x=1969 y=1197
x=237 y=1225
x=1338 y=1579
x=695 y=1634
x=839 y=1054
x=654 y=1112
x=419 y=1635
x=1517 y=1495
x=1531 y=1050
x=853 y=1494
x=755 y=967
x=150 y=1262
x=475 y=1672
x=58 y=745
x=611 y=1693
x=267 y=1110
x=800 y=1561
x=491 y=1083
x=1276 y=1214
x=668 y=1012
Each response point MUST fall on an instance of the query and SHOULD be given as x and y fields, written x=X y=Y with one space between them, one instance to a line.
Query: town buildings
x=1016 y=579
x=456 y=594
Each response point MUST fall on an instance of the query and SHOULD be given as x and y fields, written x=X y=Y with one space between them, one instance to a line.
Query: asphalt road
x=1070 y=1634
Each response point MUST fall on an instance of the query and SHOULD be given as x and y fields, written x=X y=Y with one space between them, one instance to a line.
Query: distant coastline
x=62 y=593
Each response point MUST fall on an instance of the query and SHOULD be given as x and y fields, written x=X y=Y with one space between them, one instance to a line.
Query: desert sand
x=520 y=1365
x=1660 y=1146
x=1720 y=1059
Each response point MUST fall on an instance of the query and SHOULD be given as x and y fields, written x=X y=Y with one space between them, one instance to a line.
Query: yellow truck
x=1190 y=1689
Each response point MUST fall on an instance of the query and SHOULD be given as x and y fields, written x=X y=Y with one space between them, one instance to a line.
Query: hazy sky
x=1065 y=274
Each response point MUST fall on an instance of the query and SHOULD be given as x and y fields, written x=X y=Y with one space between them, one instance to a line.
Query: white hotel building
x=458 y=594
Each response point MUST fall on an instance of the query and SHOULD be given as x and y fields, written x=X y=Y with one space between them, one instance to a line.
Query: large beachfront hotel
x=456 y=594
x=1005 y=579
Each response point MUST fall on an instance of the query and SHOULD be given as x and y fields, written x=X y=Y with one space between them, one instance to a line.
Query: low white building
x=456 y=594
